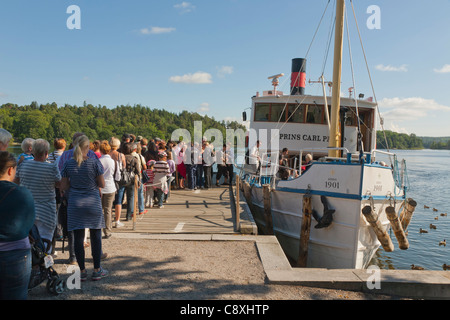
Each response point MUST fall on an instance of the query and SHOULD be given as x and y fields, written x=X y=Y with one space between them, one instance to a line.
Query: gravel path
x=192 y=270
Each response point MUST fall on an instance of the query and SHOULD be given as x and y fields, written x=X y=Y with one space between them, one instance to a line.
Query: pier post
x=267 y=209
x=135 y=204
x=403 y=242
x=305 y=232
x=407 y=212
x=238 y=204
x=381 y=234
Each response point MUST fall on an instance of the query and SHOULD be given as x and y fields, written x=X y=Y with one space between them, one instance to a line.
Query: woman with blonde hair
x=82 y=176
x=119 y=158
x=109 y=191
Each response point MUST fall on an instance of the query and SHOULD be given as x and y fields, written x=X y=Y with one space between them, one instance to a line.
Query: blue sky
x=212 y=56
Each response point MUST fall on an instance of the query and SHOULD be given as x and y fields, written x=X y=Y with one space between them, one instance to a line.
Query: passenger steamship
x=337 y=213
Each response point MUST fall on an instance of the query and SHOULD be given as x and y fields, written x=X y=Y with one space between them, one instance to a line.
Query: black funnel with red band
x=298 y=76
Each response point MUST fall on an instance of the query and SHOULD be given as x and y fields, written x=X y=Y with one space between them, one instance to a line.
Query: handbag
x=145 y=177
x=127 y=175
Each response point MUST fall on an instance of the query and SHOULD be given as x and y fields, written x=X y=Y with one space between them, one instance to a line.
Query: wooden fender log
x=407 y=212
x=382 y=235
x=403 y=242
x=247 y=193
x=305 y=232
x=267 y=209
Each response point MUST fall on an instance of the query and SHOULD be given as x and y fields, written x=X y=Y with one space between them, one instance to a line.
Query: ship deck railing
x=269 y=166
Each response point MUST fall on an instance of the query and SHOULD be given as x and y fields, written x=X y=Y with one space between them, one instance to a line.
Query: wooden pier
x=202 y=211
x=210 y=216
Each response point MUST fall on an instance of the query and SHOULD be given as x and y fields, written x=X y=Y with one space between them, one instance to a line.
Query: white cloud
x=196 y=78
x=404 y=109
x=184 y=7
x=156 y=30
x=3 y=95
x=382 y=67
x=204 y=107
x=413 y=115
x=444 y=69
x=224 y=70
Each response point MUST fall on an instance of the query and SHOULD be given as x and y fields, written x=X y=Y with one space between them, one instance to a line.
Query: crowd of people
x=90 y=180
x=86 y=181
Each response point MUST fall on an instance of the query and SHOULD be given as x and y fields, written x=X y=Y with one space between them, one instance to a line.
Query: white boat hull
x=349 y=242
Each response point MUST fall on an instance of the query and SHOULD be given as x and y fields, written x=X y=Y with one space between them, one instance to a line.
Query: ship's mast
x=335 y=135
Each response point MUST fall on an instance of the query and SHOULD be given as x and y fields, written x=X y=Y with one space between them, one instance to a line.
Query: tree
x=49 y=121
x=397 y=140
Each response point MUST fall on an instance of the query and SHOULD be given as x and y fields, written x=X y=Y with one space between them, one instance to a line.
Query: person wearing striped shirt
x=161 y=169
x=41 y=178
x=82 y=176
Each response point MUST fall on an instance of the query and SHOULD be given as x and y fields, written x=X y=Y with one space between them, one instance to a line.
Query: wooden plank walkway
x=201 y=211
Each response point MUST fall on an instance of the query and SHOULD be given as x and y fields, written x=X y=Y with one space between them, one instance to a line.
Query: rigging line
x=370 y=77
x=330 y=35
x=306 y=55
x=354 y=87
x=317 y=29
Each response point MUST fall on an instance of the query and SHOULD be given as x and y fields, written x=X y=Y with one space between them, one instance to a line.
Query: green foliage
x=50 y=121
x=436 y=142
x=397 y=140
x=403 y=141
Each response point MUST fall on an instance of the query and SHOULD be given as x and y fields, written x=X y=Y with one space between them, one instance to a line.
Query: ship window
x=314 y=113
x=277 y=114
x=262 y=112
x=296 y=113
x=351 y=117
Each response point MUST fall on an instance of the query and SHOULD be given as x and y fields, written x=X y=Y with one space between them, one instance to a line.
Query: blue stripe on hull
x=322 y=193
x=332 y=194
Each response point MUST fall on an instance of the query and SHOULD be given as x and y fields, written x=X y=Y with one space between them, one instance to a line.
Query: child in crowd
x=27 y=145
x=149 y=193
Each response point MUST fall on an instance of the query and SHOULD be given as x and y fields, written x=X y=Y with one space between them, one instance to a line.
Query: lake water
x=429 y=184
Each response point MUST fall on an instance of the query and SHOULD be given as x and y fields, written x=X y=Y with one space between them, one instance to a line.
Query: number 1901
x=332 y=184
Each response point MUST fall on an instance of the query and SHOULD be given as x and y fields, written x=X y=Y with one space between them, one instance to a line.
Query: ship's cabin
x=300 y=124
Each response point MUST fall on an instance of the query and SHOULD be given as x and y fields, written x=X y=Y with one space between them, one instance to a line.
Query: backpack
x=127 y=174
